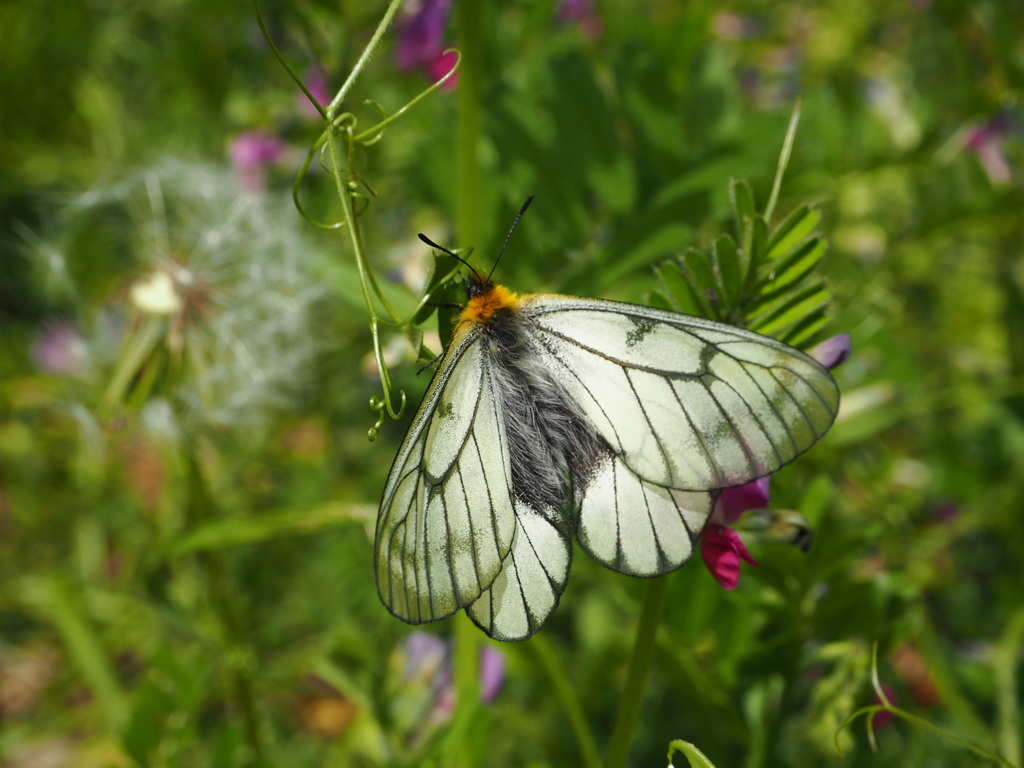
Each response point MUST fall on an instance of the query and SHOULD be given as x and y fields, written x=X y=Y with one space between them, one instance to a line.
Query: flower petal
x=733 y=502
x=492 y=673
x=832 y=352
x=722 y=550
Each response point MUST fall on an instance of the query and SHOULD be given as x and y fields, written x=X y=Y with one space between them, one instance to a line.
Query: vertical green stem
x=469 y=18
x=655 y=595
x=568 y=699
x=200 y=506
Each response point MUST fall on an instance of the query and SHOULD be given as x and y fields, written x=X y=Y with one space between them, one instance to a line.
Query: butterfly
x=552 y=418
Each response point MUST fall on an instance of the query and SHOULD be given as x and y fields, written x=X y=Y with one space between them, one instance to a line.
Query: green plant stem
x=655 y=595
x=1004 y=664
x=214 y=572
x=139 y=345
x=364 y=58
x=467 y=226
x=467 y=130
x=589 y=756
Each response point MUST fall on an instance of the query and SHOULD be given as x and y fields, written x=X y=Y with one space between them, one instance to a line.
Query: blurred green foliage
x=188 y=574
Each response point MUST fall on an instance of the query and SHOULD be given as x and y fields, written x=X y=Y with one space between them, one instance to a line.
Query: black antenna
x=432 y=244
x=509 y=235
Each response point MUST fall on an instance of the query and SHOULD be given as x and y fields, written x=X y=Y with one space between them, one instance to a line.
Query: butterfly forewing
x=446 y=521
x=662 y=387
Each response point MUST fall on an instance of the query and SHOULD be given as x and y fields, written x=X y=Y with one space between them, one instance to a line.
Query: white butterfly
x=552 y=417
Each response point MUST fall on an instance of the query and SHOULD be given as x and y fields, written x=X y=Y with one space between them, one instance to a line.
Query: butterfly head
x=487 y=301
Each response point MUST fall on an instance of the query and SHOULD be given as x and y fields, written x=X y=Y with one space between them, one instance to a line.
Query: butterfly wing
x=446 y=521
x=687 y=406
x=531 y=580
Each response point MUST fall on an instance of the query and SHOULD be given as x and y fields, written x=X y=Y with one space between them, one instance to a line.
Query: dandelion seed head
x=231 y=276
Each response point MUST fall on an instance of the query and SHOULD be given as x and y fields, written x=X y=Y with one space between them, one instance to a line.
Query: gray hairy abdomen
x=552 y=446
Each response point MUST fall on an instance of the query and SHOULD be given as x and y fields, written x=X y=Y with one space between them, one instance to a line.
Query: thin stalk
x=138 y=346
x=655 y=596
x=466 y=664
x=780 y=170
x=589 y=756
x=389 y=14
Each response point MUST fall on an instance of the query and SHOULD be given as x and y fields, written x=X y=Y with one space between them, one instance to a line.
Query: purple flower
x=492 y=673
x=428 y=663
x=832 y=352
x=580 y=12
x=421 y=34
x=251 y=152
x=60 y=348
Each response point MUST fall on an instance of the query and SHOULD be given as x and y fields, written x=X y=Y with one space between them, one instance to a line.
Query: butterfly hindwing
x=637 y=527
x=532 y=580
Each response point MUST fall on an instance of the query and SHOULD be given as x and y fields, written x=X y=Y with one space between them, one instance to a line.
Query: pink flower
x=733 y=502
x=441 y=66
x=986 y=142
x=251 y=153
x=421 y=40
x=316 y=82
x=720 y=546
x=580 y=12
x=882 y=719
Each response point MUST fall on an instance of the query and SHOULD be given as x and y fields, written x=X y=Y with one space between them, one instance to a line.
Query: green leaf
x=758 y=248
x=791 y=269
x=700 y=275
x=63 y=605
x=441 y=265
x=803 y=332
x=743 y=212
x=791 y=310
x=678 y=290
x=797 y=227
x=694 y=756
x=235 y=531
x=659 y=244
x=727 y=268
x=414 y=335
